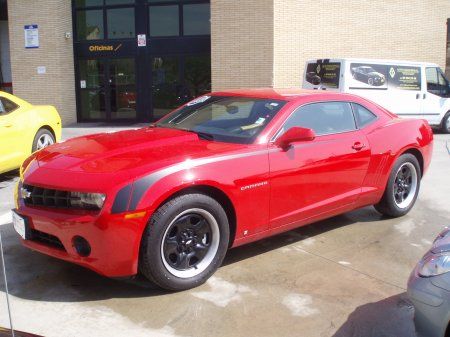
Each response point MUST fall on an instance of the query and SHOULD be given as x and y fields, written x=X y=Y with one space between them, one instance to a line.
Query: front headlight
x=92 y=201
x=433 y=265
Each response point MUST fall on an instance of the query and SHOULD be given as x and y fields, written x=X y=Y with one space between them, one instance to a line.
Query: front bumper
x=114 y=239
x=431 y=305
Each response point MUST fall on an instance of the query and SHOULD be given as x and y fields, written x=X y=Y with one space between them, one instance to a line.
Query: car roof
x=291 y=94
x=378 y=61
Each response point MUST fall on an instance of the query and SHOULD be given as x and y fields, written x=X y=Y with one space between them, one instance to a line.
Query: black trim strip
x=121 y=201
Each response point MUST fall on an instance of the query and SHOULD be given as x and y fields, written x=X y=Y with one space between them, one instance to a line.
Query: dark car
x=368 y=75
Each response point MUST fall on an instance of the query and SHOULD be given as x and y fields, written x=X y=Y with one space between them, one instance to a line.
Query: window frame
x=16 y=106
x=104 y=8
x=359 y=127
x=279 y=131
x=442 y=91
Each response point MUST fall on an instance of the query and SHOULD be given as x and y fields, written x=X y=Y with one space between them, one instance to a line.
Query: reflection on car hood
x=144 y=149
x=441 y=245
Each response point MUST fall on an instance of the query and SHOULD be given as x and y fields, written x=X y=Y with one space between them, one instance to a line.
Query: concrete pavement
x=345 y=276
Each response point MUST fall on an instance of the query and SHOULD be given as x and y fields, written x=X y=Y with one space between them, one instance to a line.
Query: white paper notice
x=31 y=36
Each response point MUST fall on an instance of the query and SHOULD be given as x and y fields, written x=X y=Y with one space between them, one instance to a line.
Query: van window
x=437 y=84
x=6 y=106
x=363 y=116
x=324 y=118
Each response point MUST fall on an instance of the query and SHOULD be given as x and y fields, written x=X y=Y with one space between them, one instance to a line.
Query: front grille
x=38 y=196
x=47 y=239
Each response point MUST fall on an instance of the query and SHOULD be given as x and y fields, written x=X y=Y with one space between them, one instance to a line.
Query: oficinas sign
x=102 y=48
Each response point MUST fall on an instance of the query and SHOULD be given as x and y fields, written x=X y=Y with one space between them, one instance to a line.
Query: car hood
x=441 y=245
x=134 y=151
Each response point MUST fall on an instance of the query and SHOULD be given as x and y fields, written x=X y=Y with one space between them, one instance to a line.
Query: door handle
x=358 y=146
x=424 y=96
x=6 y=125
x=417 y=96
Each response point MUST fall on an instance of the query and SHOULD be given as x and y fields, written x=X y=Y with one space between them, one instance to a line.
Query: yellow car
x=24 y=129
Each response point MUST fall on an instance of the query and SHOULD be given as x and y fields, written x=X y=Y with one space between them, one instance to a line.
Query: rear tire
x=445 y=124
x=185 y=242
x=42 y=139
x=402 y=187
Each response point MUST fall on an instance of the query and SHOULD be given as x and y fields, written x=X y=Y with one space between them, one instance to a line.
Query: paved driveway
x=345 y=276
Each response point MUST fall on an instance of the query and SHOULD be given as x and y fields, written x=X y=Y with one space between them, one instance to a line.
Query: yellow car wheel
x=43 y=139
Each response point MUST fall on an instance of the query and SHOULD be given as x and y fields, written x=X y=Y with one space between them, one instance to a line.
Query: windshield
x=226 y=119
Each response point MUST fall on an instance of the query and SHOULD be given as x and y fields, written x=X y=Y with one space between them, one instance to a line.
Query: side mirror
x=295 y=134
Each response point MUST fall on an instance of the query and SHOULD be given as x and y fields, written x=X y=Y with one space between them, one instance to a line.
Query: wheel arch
x=42 y=127
x=416 y=153
x=217 y=194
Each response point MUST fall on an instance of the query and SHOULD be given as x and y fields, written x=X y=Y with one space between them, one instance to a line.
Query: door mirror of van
x=294 y=134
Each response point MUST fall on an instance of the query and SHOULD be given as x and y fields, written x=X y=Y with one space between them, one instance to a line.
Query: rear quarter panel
x=388 y=142
x=46 y=115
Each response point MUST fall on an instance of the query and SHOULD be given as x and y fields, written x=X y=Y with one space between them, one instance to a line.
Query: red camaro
x=229 y=168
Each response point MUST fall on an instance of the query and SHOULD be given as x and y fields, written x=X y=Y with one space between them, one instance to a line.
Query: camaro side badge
x=247 y=187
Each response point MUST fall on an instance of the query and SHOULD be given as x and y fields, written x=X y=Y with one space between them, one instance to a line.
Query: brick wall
x=393 y=29
x=57 y=86
x=241 y=43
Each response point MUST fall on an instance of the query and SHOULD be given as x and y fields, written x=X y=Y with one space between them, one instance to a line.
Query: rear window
x=325 y=74
x=7 y=106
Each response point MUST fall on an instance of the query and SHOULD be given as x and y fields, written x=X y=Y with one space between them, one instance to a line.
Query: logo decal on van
x=392 y=72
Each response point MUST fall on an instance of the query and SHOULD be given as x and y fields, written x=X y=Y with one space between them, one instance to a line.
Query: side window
x=363 y=116
x=6 y=106
x=437 y=84
x=323 y=118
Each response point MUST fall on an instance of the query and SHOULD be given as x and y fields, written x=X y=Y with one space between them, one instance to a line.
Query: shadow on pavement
x=391 y=317
x=35 y=276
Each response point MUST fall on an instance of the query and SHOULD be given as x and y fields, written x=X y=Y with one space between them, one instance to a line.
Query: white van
x=408 y=89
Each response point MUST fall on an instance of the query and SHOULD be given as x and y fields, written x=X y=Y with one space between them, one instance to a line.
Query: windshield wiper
x=201 y=135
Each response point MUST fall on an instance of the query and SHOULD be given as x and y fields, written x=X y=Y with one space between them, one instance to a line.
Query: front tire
x=42 y=139
x=402 y=187
x=445 y=125
x=185 y=242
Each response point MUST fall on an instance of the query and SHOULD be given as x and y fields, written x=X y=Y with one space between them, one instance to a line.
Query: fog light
x=81 y=245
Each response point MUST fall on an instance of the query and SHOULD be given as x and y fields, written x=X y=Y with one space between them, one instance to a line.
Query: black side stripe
x=120 y=204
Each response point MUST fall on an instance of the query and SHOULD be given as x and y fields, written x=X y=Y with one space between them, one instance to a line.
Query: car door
x=318 y=176
x=436 y=95
x=12 y=134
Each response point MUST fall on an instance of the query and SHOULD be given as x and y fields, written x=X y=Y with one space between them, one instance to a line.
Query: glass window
x=7 y=106
x=118 y=2
x=122 y=83
x=197 y=74
x=85 y=3
x=121 y=23
x=227 y=119
x=323 y=118
x=196 y=19
x=363 y=116
x=91 y=73
x=167 y=91
x=90 y=25
x=93 y=91
x=164 y=21
x=437 y=84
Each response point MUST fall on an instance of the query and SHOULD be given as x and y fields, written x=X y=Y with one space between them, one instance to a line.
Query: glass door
x=122 y=89
x=111 y=99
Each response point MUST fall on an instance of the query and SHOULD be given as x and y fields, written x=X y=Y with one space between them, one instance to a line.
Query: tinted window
x=363 y=116
x=6 y=106
x=90 y=25
x=83 y=3
x=436 y=82
x=323 y=118
x=118 y=2
x=196 y=19
x=227 y=119
x=120 y=23
x=164 y=21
